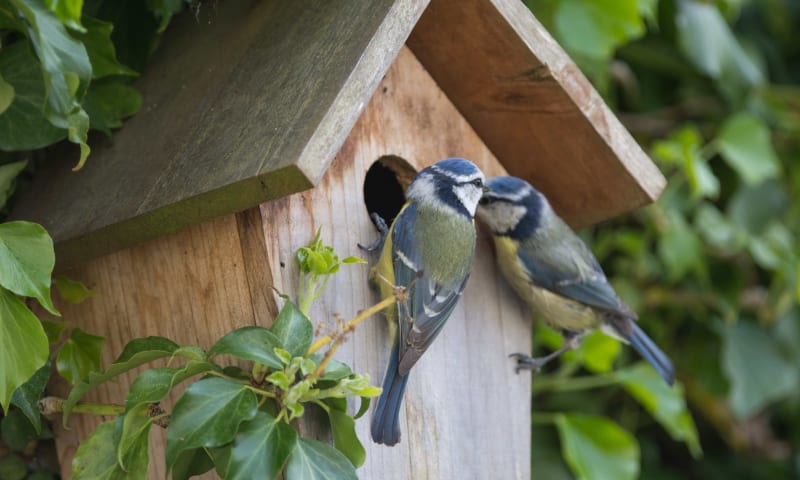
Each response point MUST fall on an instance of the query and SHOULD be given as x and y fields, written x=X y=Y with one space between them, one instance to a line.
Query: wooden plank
x=247 y=103
x=466 y=413
x=533 y=108
x=191 y=287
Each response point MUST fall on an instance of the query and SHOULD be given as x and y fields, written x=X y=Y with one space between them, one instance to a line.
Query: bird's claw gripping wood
x=383 y=230
x=526 y=362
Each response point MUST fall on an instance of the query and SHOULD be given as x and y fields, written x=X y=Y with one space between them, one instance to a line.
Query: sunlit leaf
x=293 y=330
x=597 y=28
x=598 y=352
x=666 y=404
x=26 y=253
x=23 y=345
x=96 y=457
x=596 y=448
x=134 y=436
x=68 y=11
x=154 y=384
x=256 y=344
x=71 y=290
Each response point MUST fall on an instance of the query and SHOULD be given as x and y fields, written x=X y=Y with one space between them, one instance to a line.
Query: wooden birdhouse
x=265 y=121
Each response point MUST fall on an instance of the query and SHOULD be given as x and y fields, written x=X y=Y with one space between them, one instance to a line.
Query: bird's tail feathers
x=386 y=419
x=650 y=352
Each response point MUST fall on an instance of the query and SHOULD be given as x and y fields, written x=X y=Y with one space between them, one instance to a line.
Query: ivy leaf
x=8 y=177
x=53 y=330
x=335 y=370
x=136 y=352
x=208 y=414
x=12 y=467
x=100 y=48
x=596 y=28
x=757 y=370
x=596 y=448
x=680 y=249
x=26 y=253
x=79 y=356
x=22 y=124
x=744 y=142
x=134 y=436
x=96 y=457
x=293 y=330
x=598 y=352
x=16 y=431
x=261 y=448
x=256 y=344
x=666 y=404
x=26 y=396
x=70 y=290
x=365 y=401
x=6 y=94
x=66 y=70
x=191 y=463
x=68 y=11
x=109 y=103
x=153 y=385
x=343 y=427
x=313 y=460
x=23 y=345
x=716 y=229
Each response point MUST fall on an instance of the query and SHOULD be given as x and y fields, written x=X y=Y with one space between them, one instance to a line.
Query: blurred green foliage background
x=710 y=91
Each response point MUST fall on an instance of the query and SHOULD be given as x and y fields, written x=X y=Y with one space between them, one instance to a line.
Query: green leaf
x=716 y=229
x=753 y=208
x=12 y=467
x=365 y=401
x=598 y=352
x=774 y=248
x=153 y=385
x=261 y=448
x=164 y=10
x=97 y=39
x=353 y=260
x=335 y=370
x=208 y=414
x=706 y=39
x=68 y=12
x=293 y=330
x=109 y=103
x=26 y=253
x=343 y=427
x=313 y=460
x=26 y=396
x=23 y=345
x=666 y=404
x=597 y=448
x=66 y=70
x=595 y=28
x=135 y=33
x=6 y=94
x=16 y=430
x=54 y=330
x=96 y=457
x=8 y=177
x=256 y=344
x=79 y=356
x=744 y=142
x=70 y=290
x=137 y=352
x=134 y=436
x=680 y=249
x=682 y=149
x=191 y=463
x=757 y=370
x=23 y=125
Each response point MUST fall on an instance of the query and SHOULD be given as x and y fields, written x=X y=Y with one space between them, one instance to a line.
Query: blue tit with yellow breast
x=551 y=268
x=429 y=250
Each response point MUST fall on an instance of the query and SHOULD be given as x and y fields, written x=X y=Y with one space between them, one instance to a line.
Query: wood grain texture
x=533 y=108
x=192 y=287
x=466 y=413
x=248 y=102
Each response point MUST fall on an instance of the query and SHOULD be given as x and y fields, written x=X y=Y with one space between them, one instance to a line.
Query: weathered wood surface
x=466 y=414
x=247 y=103
x=533 y=108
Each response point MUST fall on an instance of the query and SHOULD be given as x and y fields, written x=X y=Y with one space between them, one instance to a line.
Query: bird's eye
x=477 y=182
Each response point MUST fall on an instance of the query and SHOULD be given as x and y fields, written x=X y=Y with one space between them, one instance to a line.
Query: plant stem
x=321 y=342
x=52 y=405
x=572 y=384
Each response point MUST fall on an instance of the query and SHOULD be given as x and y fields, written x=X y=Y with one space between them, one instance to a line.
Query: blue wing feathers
x=385 y=422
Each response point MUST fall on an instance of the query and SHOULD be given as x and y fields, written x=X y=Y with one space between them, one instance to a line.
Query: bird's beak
x=486 y=189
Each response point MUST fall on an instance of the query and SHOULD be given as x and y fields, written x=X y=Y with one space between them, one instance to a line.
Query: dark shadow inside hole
x=385 y=186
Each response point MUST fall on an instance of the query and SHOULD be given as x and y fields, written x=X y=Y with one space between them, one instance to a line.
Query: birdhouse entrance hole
x=385 y=185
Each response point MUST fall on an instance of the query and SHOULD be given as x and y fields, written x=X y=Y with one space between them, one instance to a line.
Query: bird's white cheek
x=468 y=195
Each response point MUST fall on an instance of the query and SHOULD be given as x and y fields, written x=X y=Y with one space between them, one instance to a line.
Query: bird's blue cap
x=508 y=186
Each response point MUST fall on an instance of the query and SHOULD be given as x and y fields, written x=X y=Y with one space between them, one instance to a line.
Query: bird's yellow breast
x=557 y=310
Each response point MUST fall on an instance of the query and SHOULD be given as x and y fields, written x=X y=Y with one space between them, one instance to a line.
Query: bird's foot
x=383 y=230
x=526 y=362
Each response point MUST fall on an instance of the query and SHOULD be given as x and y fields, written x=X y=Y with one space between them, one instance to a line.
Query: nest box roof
x=253 y=103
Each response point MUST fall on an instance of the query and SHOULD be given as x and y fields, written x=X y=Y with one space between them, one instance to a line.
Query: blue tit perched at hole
x=429 y=250
x=551 y=268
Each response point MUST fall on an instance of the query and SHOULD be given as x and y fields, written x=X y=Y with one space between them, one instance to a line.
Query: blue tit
x=551 y=268
x=429 y=250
